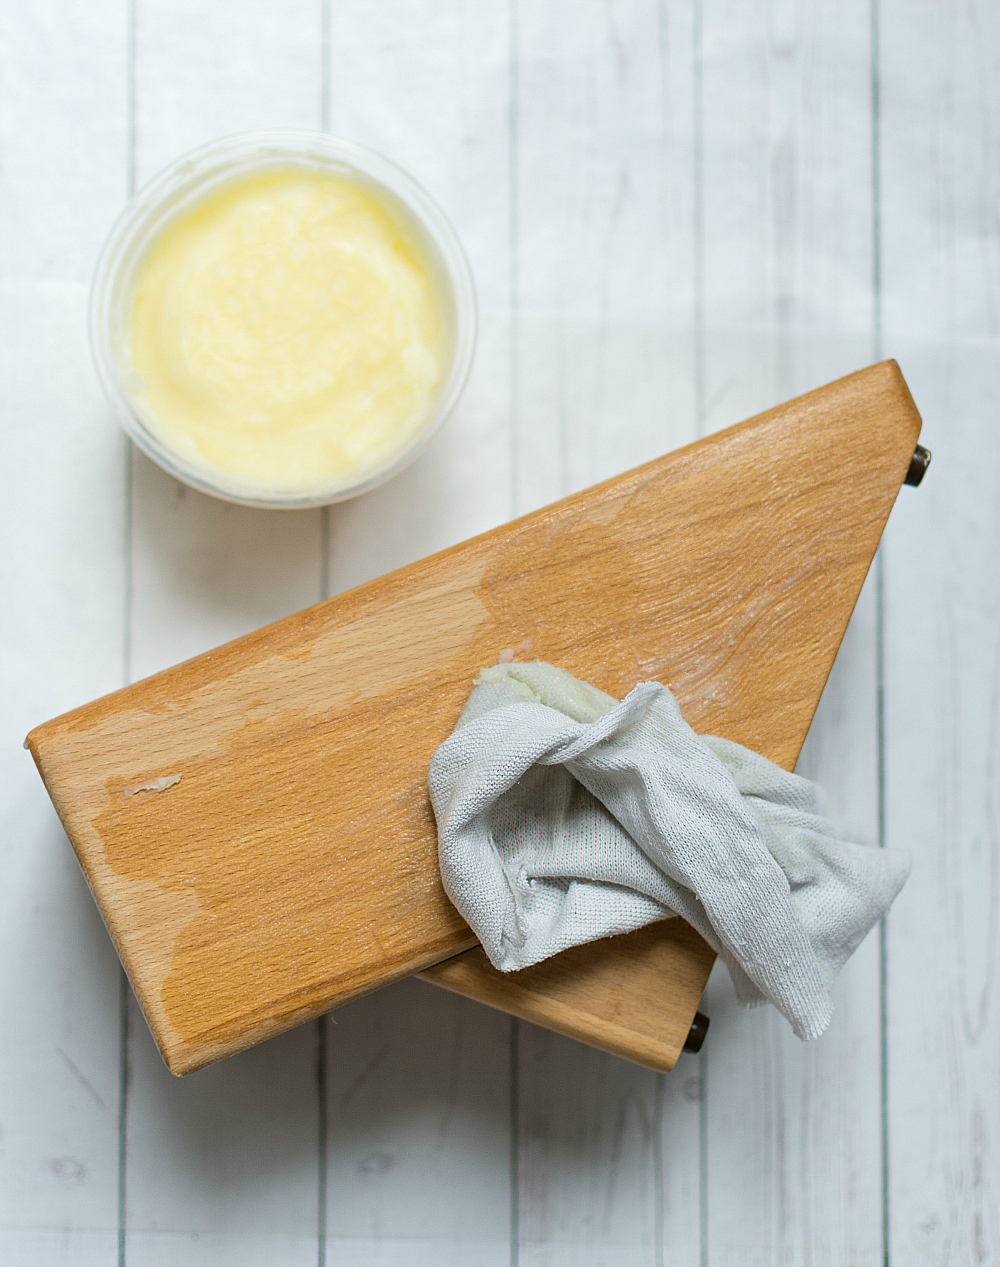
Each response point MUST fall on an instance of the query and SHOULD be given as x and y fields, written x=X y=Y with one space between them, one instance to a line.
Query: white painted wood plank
x=608 y=1157
x=787 y=301
x=62 y=131
x=940 y=75
x=206 y=571
x=222 y=1167
x=419 y=1130
x=604 y=233
x=793 y=1138
x=608 y=1153
x=223 y=1164
x=427 y=85
x=205 y=71
x=794 y=1158
x=418 y=1079
x=388 y=1251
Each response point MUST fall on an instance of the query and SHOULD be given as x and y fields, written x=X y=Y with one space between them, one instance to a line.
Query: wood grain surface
x=254 y=823
x=633 y=996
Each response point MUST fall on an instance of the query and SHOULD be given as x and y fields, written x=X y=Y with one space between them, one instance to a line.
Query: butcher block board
x=254 y=823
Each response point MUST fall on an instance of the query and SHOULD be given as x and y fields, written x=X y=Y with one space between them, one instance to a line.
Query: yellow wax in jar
x=287 y=331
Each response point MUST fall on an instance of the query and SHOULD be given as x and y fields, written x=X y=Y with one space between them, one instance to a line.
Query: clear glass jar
x=186 y=182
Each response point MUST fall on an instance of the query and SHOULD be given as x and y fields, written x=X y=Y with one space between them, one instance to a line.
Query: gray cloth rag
x=564 y=816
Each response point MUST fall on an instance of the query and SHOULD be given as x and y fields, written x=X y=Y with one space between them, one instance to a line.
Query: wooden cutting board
x=254 y=823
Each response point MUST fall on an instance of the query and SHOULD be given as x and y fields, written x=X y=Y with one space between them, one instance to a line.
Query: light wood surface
x=254 y=823
x=633 y=996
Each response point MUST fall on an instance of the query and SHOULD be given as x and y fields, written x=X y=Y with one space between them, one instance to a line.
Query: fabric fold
x=565 y=816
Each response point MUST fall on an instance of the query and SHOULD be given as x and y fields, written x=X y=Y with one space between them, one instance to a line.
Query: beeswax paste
x=287 y=330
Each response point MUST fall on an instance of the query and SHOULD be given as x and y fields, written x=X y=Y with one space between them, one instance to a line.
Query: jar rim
x=190 y=178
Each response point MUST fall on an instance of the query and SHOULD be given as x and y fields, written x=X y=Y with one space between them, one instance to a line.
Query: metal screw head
x=919 y=463
x=697 y=1032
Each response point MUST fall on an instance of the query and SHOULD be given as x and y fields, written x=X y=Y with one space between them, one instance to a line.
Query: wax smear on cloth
x=564 y=816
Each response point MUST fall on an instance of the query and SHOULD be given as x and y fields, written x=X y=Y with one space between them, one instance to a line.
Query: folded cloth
x=564 y=816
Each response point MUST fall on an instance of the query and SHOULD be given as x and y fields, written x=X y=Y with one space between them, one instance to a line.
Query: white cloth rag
x=564 y=816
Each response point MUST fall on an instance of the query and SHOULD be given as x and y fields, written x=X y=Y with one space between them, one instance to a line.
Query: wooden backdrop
x=677 y=214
